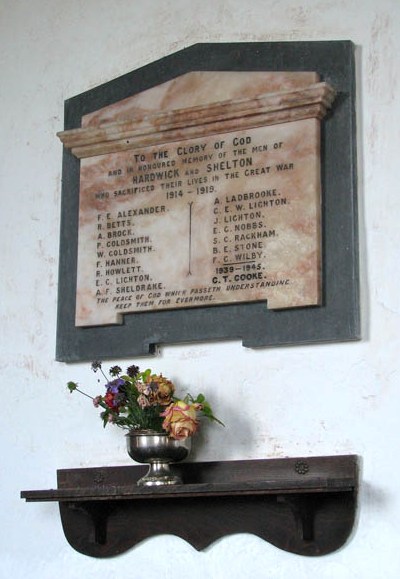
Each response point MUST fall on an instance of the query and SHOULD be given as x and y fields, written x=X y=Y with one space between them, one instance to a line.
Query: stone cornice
x=200 y=121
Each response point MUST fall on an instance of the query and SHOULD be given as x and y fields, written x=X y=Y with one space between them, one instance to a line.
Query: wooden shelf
x=302 y=505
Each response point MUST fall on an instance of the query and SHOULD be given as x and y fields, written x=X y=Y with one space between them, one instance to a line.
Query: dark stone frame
x=337 y=319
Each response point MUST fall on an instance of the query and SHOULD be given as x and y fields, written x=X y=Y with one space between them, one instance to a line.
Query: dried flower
x=96 y=401
x=158 y=389
x=132 y=371
x=115 y=371
x=180 y=419
x=143 y=401
x=96 y=366
x=146 y=401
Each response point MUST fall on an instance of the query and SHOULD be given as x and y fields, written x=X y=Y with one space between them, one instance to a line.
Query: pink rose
x=180 y=420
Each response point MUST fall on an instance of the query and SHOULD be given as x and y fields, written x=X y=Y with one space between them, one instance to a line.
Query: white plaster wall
x=323 y=399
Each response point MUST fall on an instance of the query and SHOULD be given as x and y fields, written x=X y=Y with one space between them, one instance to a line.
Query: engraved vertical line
x=190 y=238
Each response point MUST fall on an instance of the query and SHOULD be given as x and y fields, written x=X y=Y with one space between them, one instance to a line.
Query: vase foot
x=159 y=474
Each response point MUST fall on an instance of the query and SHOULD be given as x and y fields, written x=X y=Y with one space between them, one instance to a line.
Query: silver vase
x=159 y=451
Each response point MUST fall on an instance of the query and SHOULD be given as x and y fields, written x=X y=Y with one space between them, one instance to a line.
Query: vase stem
x=159 y=473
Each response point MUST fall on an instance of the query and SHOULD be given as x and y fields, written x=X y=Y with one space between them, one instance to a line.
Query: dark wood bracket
x=302 y=505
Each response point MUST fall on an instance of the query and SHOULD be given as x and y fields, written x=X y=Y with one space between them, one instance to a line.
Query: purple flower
x=115 y=385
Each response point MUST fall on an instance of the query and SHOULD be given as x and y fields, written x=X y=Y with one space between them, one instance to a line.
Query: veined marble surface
x=228 y=216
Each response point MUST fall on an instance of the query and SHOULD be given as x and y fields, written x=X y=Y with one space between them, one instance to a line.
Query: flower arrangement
x=143 y=401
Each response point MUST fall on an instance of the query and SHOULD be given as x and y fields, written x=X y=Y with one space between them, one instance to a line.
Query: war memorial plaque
x=210 y=204
x=211 y=195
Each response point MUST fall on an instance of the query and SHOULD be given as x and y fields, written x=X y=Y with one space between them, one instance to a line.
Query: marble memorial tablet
x=202 y=191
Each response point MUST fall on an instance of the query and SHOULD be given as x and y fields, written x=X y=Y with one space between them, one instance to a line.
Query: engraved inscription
x=227 y=218
x=202 y=191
